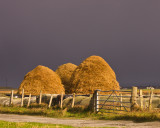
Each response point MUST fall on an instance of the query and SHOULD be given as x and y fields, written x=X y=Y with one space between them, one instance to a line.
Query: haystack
x=41 y=78
x=93 y=73
x=65 y=71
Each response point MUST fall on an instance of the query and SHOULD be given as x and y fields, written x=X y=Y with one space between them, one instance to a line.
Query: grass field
x=77 y=112
x=80 y=112
x=4 y=124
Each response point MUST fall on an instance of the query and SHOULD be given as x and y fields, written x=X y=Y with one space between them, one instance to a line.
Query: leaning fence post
x=121 y=101
x=22 y=97
x=150 y=99
x=40 y=97
x=96 y=100
x=133 y=98
x=141 y=98
x=73 y=100
x=61 y=101
x=29 y=100
x=50 y=102
x=11 y=97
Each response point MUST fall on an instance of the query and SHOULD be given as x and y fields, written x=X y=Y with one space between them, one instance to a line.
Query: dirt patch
x=79 y=122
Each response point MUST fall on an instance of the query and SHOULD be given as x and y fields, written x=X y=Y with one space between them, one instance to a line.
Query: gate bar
x=115 y=106
x=116 y=96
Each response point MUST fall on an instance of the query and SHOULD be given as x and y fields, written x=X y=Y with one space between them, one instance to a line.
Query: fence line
x=145 y=101
x=136 y=100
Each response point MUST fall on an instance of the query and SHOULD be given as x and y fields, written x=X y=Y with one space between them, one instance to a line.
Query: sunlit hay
x=93 y=73
x=41 y=78
x=65 y=71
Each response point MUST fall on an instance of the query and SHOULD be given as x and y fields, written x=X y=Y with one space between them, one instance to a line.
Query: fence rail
x=135 y=97
x=59 y=97
x=115 y=100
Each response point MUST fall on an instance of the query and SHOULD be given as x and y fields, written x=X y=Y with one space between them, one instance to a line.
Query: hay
x=93 y=73
x=41 y=78
x=65 y=71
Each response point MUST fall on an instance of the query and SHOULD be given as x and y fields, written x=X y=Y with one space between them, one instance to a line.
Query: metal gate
x=112 y=101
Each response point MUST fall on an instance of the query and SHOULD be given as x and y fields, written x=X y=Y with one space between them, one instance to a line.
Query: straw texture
x=93 y=73
x=65 y=71
x=41 y=78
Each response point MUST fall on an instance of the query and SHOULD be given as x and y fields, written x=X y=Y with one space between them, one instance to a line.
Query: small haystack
x=93 y=73
x=65 y=71
x=41 y=78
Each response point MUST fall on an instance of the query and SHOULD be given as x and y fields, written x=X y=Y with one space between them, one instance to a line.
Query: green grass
x=134 y=116
x=78 y=112
x=5 y=124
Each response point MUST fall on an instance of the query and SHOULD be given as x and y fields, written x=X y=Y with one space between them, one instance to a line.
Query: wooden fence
x=40 y=99
x=116 y=100
x=148 y=101
x=120 y=100
x=113 y=100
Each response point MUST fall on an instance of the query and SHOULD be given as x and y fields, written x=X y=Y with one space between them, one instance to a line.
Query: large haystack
x=93 y=73
x=41 y=78
x=65 y=71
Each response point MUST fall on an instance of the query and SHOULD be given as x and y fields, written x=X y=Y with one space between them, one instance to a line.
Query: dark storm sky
x=126 y=33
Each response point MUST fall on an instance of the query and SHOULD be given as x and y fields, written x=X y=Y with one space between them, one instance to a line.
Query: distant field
x=145 y=91
x=155 y=91
x=6 y=91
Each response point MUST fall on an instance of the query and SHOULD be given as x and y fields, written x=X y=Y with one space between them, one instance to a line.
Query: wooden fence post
x=22 y=97
x=150 y=99
x=40 y=97
x=61 y=101
x=11 y=97
x=121 y=101
x=144 y=101
x=29 y=100
x=50 y=102
x=141 y=98
x=96 y=100
x=134 y=98
x=73 y=100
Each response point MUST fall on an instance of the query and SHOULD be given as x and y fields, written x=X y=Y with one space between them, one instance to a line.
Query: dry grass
x=81 y=112
x=65 y=71
x=41 y=78
x=147 y=91
x=93 y=73
x=7 y=91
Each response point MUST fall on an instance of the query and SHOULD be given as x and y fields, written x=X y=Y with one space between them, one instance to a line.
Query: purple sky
x=126 y=33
